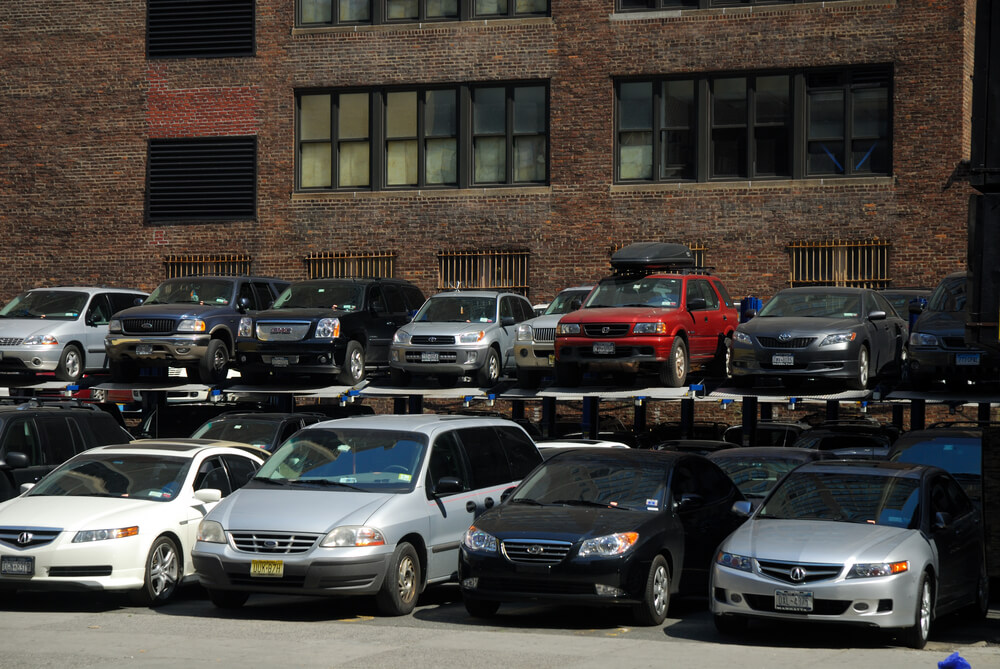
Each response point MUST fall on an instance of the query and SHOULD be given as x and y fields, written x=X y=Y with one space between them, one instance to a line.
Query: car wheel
x=528 y=379
x=673 y=372
x=399 y=377
x=731 y=625
x=656 y=596
x=163 y=571
x=860 y=382
x=481 y=608
x=228 y=599
x=123 y=371
x=723 y=364
x=352 y=372
x=70 y=367
x=489 y=374
x=981 y=606
x=212 y=368
x=917 y=635
x=398 y=594
x=568 y=374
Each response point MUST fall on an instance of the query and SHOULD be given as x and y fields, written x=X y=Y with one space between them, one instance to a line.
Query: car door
x=891 y=333
x=510 y=316
x=450 y=513
x=706 y=323
x=95 y=328
x=21 y=436
x=385 y=313
x=958 y=542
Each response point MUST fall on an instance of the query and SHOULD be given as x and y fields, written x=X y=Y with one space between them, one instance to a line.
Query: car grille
x=79 y=572
x=797 y=342
x=782 y=571
x=11 y=341
x=148 y=326
x=434 y=340
x=272 y=542
x=544 y=334
x=534 y=551
x=282 y=330
x=606 y=329
x=821 y=607
x=956 y=342
x=33 y=535
x=443 y=356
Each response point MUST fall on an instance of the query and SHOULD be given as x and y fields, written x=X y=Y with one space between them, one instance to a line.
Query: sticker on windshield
x=652 y=504
x=405 y=477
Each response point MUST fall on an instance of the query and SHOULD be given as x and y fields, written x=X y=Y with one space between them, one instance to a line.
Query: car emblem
x=784 y=336
x=281 y=330
x=432 y=339
x=147 y=326
x=605 y=330
x=797 y=573
x=270 y=543
x=535 y=550
x=24 y=538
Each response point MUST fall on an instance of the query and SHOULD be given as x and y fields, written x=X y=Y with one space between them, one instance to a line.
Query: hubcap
x=357 y=365
x=925 y=611
x=163 y=570
x=494 y=368
x=72 y=364
x=863 y=367
x=219 y=362
x=660 y=591
x=406 y=580
x=679 y=363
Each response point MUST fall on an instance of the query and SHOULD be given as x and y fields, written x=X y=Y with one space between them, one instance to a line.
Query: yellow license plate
x=267 y=568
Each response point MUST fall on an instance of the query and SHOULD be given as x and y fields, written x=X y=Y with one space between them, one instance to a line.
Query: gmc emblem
x=281 y=330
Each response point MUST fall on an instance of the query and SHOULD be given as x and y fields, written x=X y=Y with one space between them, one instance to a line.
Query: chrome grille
x=272 y=542
x=535 y=551
x=148 y=326
x=812 y=572
x=606 y=329
x=35 y=536
x=11 y=341
x=434 y=340
x=544 y=334
x=797 y=342
x=282 y=330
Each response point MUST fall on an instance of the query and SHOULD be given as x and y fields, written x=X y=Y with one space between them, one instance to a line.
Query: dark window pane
x=871 y=112
x=678 y=104
x=772 y=144
x=772 y=99
x=678 y=155
x=870 y=156
x=635 y=106
x=825 y=158
x=316 y=11
x=529 y=109
x=488 y=111
x=440 y=113
x=826 y=114
x=729 y=101
x=729 y=152
x=442 y=9
x=401 y=9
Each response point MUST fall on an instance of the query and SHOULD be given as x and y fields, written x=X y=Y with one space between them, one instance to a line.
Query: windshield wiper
x=327 y=482
x=526 y=500
x=587 y=502
x=261 y=479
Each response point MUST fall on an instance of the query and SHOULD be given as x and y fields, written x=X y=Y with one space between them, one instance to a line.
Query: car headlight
x=742 y=338
x=34 y=340
x=524 y=332
x=471 y=337
x=191 y=325
x=921 y=339
x=246 y=327
x=649 y=328
x=568 y=329
x=842 y=338
x=870 y=569
x=401 y=337
x=212 y=532
x=353 y=536
x=114 y=325
x=611 y=544
x=477 y=541
x=84 y=536
x=328 y=328
x=733 y=561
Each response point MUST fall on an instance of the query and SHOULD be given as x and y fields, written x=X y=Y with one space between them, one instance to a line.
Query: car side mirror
x=742 y=508
x=208 y=495
x=915 y=307
x=15 y=460
x=575 y=304
x=942 y=519
x=507 y=493
x=137 y=301
x=877 y=316
x=750 y=313
x=696 y=303
x=243 y=305
x=507 y=321
x=689 y=500
x=448 y=485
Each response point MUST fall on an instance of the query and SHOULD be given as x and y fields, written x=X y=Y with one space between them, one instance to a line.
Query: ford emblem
x=270 y=543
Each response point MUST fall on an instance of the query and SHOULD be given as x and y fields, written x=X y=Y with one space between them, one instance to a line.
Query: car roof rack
x=35 y=403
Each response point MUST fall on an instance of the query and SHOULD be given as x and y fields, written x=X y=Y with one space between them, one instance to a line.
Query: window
x=491 y=270
x=202 y=29
x=647 y=5
x=316 y=13
x=341 y=264
x=840 y=263
x=453 y=137
x=776 y=125
x=201 y=179
x=201 y=265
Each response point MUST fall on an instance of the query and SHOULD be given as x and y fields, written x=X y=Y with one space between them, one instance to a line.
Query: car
x=699 y=446
x=656 y=313
x=457 y=334
x=550 y=447
x=767 y=433
x=850 y=335
x=534 y=347
x=880 y=544
x=862 y=438
x=341 y=328
x=694 y=429
x=757 y=469
x=266 y=429
x=601 y=527
x=36 y=437
x=368 y=505
x=186 y=322
x=60 y=330
x=120 y=517
x=956 y=447
x=908 y=302
x=937 y=350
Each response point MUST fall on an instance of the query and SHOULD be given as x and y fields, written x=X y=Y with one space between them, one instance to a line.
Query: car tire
x=656 y=595
x=228 y=599
x=916 y=636
x=213 y=367
x=980 y=607
x=568 y=375
x=480 y=608
x=488 y=375
x=399 y=377
x=860 y=382
x=162 y=573
x=70 y=367
x=401 y=586
x=123 y=371
x=673 y=372
x=731 y=625
x=722 y=366
x=528 y=379
x=352 y=372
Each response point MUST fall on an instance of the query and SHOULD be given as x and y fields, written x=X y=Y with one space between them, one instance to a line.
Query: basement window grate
x=199 y=28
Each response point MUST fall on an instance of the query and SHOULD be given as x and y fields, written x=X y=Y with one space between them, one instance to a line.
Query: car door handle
x=489 y=502
x=470 y=507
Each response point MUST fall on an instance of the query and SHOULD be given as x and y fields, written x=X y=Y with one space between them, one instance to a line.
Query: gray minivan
x=367 y=505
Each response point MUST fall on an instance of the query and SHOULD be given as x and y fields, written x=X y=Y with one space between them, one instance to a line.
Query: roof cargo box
x=652 y=255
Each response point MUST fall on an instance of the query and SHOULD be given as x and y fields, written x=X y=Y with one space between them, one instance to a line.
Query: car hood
x=308 y=314
x=299 y=509
x=943 y=323
x=616 y=314
x=74 y=513
x=25 y=327
x=448 y=329
x=547 y=321
x=818 y=541
x=174 y=311
x=766 y=325
x=559 y=523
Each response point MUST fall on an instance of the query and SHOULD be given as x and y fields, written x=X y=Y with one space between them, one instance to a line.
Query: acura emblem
x=24 y=538
x=534 y=550
x=797 y=573
x=784 y=336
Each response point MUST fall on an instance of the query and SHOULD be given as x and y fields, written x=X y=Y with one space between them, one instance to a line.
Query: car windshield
x=846 y=496
x=458 y=309
x=647 y=291
x=367 y=460
x=756 y=476
x=192 y=291
x=610 y=483
x=246 y=431
x=346 y=296
x=812 y=305
x=156 y=478
x=948 y=296
x=563 y=302
x=955 y=455
x=60 y=305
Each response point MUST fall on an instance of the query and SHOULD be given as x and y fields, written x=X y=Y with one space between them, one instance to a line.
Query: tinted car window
x=521 y=452
x=948 y=296
x=883 y=304
x=704 y=289
x=414 y=298
x=393 y=299
x=21 y=436
x=56 y=437
x=958 y=456
x=212 y=474
x=564 y=480
x=265 y=294
x=121 y=301
x=486 y=457
x=446 y=460
x=105 y=430
x=99 y=312
x=724 y=293
x=240 y=469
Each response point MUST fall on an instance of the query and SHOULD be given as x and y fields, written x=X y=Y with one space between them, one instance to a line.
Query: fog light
x=470 y=583
x=523 y=353
x=394 y=356
x=470 y=356
x=183 y=349
x=243 y=358
x=322 y=360
x=860 y=606
x=735 y=598
x=36 y=361
x=608 y=591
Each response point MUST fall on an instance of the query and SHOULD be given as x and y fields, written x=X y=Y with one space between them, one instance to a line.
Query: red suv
x=657 y=312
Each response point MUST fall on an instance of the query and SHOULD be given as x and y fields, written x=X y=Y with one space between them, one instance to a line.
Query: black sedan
x=847 y=334
x=601 y=527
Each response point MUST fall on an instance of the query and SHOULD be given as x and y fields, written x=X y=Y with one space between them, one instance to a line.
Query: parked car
x=550 y=447
x=699 y=446
x=694 y=429
x=36 y=437
x=534 y=348
x=768 y=433
x=956 y=448
x=862 y=438
x=361 y=506
x=601 y=527
x=457 y=334
x=882 y=544
x=120 y=517
x=60 y=330
x=908 y=302
x=188 y=322
x=266 y=429
x=848 y=334
x=757 y=469
x=656 y=313
x=937 y=350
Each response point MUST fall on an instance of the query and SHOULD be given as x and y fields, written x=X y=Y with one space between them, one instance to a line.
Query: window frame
x=378 y=14
x=679 y=5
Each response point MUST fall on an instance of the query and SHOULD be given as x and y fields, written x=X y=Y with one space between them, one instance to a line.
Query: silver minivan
x=367 y=505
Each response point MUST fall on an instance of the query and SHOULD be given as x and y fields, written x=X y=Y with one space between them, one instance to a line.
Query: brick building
x=484 y=141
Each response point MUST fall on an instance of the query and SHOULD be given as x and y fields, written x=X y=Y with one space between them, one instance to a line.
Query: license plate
x=143 y=349
x=267 y=568
x=782 y=359
x=429 y=356
x=552 y=359
x=17 y=565
x=279 y=361
x=967 y=359
x=793 y=600
x=604 y=348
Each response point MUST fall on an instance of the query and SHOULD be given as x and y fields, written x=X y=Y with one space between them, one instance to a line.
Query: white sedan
x=130 y=524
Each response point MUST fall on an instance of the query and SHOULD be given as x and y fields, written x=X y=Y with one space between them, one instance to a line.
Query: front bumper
x=115 y=564
x=933 y=363
x=451 y=359
x=324 y=357
x=41 y=358
x=161 y=350
x=835 y=361
x=624 y=352
x=535 y=356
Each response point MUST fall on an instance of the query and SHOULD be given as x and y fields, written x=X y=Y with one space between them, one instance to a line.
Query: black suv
x=327 y=326
x=187 y=322
x=35 y=438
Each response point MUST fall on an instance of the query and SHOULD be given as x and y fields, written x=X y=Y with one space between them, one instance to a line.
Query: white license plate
x=966 y=358
x=17 y=565
x=604 y=348
x=552 y=359
x=279 y=361
x=429 y=356
x=143 y=349
x=793 y=600
x=267 y=568
x=783 y=359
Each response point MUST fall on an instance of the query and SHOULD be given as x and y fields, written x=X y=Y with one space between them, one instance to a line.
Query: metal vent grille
x=540 y=551
x=199 y=28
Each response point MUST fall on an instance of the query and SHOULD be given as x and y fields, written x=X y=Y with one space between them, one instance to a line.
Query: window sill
x=417 y=193
x=431 y=25
x=841 y=5
x=782 y=184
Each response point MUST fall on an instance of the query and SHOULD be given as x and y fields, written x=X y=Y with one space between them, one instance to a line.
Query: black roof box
x=652 y=255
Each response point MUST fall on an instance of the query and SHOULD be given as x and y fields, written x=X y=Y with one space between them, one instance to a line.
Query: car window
x=610 y=482
x=246 y=290
x=521 y=452
x=266 y=292
x=63 y=305
x=882 y=304
x=99 y=312
x=22 y=437
x=240 y=469
x=527 y=311
x=507 y=308
x=393 y=299
x=726 y=298
x=446 y=460
x=120 y=301
x=949 y=295
x=100 y=429
x=56 y=438
x=702 y=288
x=414 y=298
x=958 y=455
x=212 y=474
x=376 y=299
x=487 y=460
